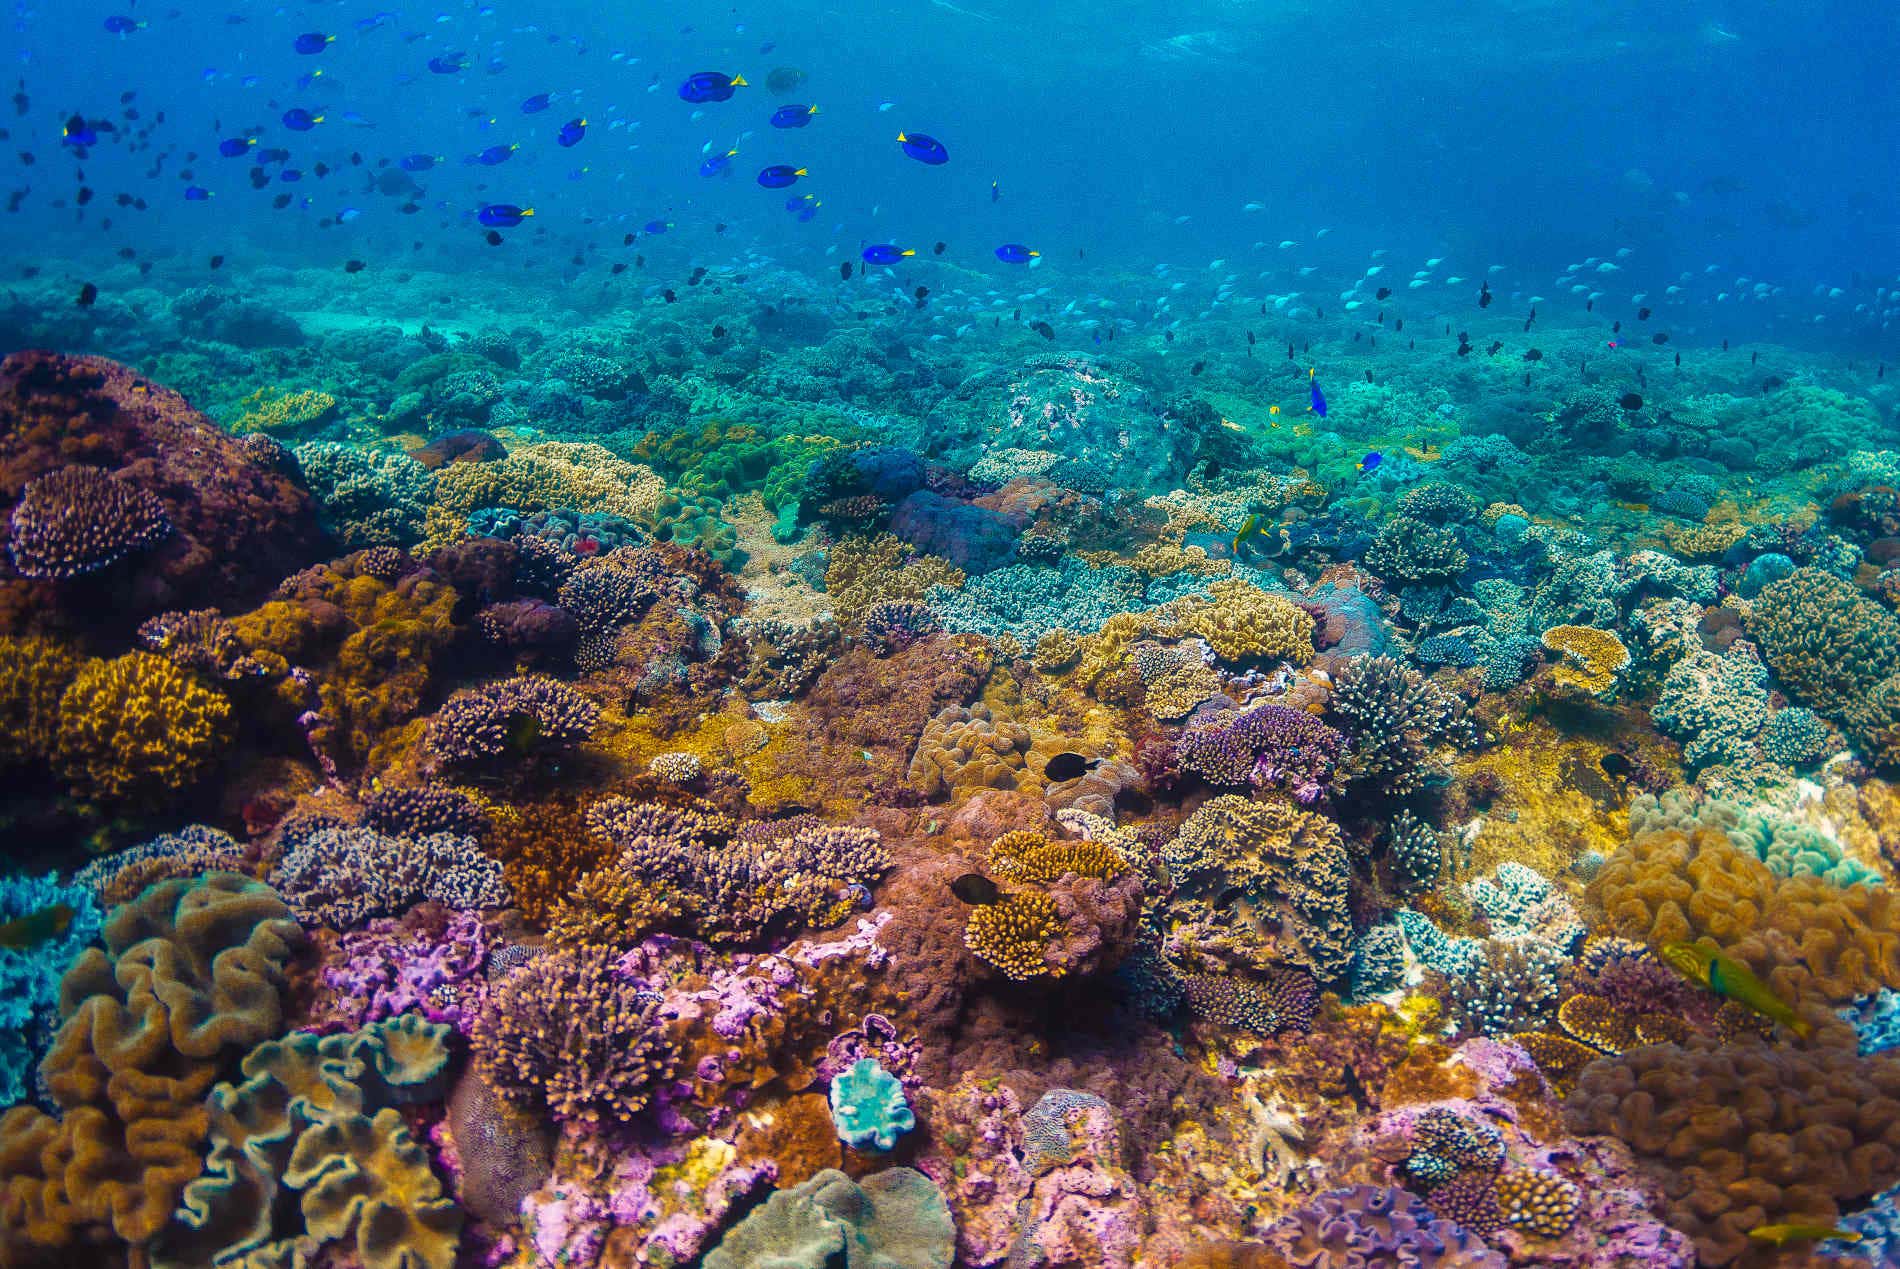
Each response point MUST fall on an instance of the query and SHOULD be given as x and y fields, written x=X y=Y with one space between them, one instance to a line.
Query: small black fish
x=620 y=267
x=1250 y=339
x=718 y=332
x=1384 y=293
x=1678 y=361
x=844 y=271
x=280 y=202
x=1197 y=367
x=975 y=889
x=921 y=292
x=1398 y=324
x=1492 y=351
x=699 y=275
x=1660 y=337
x=1065 y=766
x=939 y=248
x=1044 y=329
x=1631 y=401
x=1533 y=354
x=84 y=196
x=626 y=240
x=1589 y=306
x=669 y=296
x=492 y=238
x=1642 y=314
x=87 y=294
x=1616 y=328
x=1616 y=765
x=1484 y=295
x=217 y=262
x=1167 y=337
x=354 y=266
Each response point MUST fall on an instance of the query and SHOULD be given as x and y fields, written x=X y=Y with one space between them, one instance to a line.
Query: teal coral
x=868 y=1106
x=29 y=975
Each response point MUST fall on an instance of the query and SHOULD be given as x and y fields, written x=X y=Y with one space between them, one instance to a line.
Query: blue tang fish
x=924 y=149
x=503 y=215
x=885 y=253
x=793 y=116
x=780 y=175
x=1015 y=253
x=704 y=86
x=312 y=43
x=571 y=133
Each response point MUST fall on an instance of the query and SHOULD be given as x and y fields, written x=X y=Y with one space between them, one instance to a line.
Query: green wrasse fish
x=36 y=928
x=1782 y=1235
x=1729 y=978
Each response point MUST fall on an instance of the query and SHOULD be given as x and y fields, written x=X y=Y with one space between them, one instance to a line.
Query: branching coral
x=78 y=520
x=514 y=720
x=139 y=730
x=1271 y=746
x=568 y=1034
x=1397 y=720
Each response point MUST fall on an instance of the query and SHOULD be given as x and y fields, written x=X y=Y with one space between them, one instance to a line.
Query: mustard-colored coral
x=540 y=475
x=1031 y=858
x=1013 y=934
x=1592 y=658
x=1245 y=623
x=137 y=729
x=269 y=410
x=1804 y=936
x=862 y=571
x=1539 y=1202
x=1704 y=541
x=34 y=674
x=612 y=907
x=966 y=749
x=1056 y=650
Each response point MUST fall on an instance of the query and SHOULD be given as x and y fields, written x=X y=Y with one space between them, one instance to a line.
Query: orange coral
x=1802 y=935
x=797 y=1135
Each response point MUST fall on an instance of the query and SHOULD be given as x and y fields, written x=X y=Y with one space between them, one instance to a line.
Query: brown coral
x=1014 y=934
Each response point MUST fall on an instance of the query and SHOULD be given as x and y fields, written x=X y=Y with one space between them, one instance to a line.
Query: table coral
x=78 y=520
x=1592 y=658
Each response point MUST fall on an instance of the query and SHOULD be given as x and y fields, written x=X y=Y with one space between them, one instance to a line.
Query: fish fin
x=738 y=81
x=901 y=138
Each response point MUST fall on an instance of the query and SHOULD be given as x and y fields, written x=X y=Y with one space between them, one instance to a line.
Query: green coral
x=694 y=521
x=894 y=1217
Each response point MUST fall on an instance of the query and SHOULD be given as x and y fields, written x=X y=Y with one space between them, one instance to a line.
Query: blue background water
x=1745 y=136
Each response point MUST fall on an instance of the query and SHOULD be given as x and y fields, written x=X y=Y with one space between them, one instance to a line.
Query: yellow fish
x=36 y=928
x=1248 y=527
x=1729 y=978
x=1782 y=1235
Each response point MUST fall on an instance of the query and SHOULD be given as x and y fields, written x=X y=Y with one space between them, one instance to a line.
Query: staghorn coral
x=34 y=674
x=1397 y=719
x=513 y=720
x=1270 y=746
x=138 y=730
x=1014 y=934
x=78 y=520
x=191 y=972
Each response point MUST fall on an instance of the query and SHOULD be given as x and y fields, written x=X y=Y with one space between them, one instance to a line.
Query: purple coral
x=514 y=718
x=342 y=877
x=1272 y=746
x=891 y=625
x=387 y=969
x=1366 y=1225
x=78 y=520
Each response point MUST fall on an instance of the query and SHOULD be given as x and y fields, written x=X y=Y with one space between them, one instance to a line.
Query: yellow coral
x=1246 y=623
x=861 y=571
x=1030 y=857
x=1014 y=934
x=1498 y=510
x=1538 y=1202
x=1592 y=658
x=34 y=673
x=1704 y=541
x=1057 y=650
x=540 y=475
x=1177 y=693
x=139 y=729
x=269 y=410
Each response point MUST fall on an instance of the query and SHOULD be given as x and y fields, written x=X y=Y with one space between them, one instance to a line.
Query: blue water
x=1740 y=152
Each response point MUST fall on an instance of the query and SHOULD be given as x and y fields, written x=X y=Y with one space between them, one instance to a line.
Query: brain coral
x=237 y=524
x=191 y=972
x=139 y=730
x=1801 y=934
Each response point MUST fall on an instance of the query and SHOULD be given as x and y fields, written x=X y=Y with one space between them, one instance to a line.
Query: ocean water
x=949 y=634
